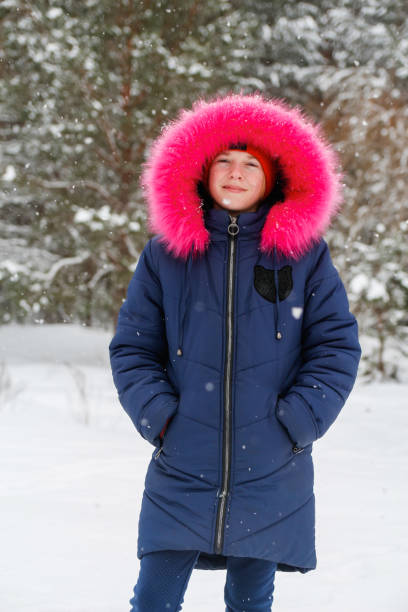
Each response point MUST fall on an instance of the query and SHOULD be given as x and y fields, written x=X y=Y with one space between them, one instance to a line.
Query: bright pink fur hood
x=177 y=158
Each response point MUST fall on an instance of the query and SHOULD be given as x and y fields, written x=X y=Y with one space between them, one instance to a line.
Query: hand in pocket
x=164 y=429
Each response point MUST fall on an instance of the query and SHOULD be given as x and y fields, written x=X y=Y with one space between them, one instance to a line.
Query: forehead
x=236 y=153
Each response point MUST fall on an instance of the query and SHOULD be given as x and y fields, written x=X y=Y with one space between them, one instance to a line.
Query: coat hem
x=206 y=561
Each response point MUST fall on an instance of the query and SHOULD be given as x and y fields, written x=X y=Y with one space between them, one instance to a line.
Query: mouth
x=233 y=189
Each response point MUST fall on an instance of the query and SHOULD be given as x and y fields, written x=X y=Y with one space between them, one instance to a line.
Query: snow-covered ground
x=72 y=469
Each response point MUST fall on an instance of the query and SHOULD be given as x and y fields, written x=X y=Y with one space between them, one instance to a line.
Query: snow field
x=71 y=481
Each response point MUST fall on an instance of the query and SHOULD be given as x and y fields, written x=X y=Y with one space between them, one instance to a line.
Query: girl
x=235 y=349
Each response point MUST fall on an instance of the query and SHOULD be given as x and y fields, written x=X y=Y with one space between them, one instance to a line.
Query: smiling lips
x=234 y=189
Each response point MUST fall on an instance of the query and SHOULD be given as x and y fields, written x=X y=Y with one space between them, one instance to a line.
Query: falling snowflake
x=297 y=312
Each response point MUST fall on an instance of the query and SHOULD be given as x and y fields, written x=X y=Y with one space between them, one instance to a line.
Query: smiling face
x=236 y=181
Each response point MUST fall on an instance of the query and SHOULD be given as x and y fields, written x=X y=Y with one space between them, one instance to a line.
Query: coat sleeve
x=330 y=356
x=138 y=353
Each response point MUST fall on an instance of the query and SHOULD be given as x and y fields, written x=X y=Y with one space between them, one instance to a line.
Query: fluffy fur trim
x=186 y=145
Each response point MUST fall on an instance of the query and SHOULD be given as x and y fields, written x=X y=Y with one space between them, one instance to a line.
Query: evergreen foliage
x=86 y=87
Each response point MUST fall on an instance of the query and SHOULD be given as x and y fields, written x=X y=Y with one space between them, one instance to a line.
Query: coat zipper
x=233 y=230
x=157 y=454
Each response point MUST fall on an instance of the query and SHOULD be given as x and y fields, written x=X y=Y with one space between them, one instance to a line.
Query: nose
x=235 y=171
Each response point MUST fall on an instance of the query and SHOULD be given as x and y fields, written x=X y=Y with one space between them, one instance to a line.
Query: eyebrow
x=226 y=152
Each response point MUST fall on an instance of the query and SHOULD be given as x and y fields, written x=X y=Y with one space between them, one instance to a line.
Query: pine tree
x=87 y=86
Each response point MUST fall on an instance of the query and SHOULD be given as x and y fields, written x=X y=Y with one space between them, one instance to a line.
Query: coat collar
x=250 y=223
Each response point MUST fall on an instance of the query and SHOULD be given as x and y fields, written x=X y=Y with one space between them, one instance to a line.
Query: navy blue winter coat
x=250 y=354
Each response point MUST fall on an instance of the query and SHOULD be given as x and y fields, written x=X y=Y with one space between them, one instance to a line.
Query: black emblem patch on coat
x=264 y=282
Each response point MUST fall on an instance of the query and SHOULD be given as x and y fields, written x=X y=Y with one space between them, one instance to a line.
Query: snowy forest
x=86 y=86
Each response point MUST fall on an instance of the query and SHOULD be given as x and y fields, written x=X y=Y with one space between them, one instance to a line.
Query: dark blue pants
x=164 y=576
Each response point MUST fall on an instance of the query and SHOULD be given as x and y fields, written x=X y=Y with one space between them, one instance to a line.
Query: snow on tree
x=87 y=86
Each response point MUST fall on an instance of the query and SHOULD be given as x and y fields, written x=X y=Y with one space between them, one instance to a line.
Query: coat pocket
x=163 y=435
x=294 y=447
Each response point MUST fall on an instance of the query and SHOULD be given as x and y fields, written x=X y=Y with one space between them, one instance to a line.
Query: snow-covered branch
x=131 y=248
x=70 y=185
x=99 y=274
x=49 y=276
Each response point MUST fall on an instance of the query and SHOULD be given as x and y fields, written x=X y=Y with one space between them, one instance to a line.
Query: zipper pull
x=158 y=452
x=233 y=228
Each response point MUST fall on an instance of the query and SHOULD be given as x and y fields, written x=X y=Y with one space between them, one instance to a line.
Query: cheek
x=212 y=183
x=259 y=183
x=214 y=177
